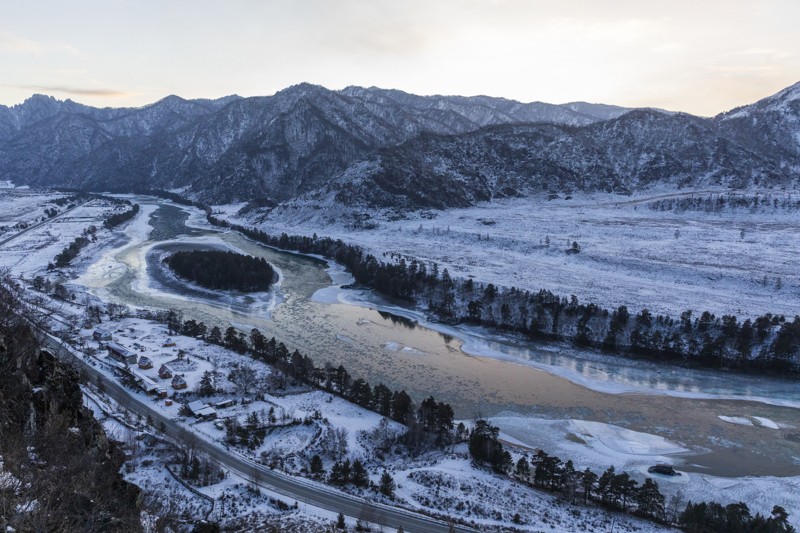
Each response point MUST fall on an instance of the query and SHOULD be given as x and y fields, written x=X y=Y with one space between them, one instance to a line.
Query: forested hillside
x=58 y=471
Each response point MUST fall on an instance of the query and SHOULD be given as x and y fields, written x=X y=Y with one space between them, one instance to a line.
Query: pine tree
x=206 y=387
x=185 y=411
x=215 y=336
x=588 y=480
x=360 y=477
x=485 y=447
x=316 y=466
x=387 y=485
x=649 y=499
x=346 y=471
x=336 y=476
x=523 y=468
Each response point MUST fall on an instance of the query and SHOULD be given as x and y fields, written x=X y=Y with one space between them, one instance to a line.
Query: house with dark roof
x=178 y=383
x=164 y=372
x=120 y=353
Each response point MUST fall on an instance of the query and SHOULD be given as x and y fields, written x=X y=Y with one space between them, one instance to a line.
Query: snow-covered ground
x=665 y=261
x=462 y=489
x=589 y=444
x=24 y=207
x=29 y=253
x=595 y=445
x=453 y=483
x=598 y=446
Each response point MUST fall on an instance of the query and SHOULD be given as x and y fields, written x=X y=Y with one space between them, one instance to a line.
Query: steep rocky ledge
x=58 y=470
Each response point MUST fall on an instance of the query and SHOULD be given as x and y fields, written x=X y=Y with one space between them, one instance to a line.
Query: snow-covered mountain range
x=387 y=148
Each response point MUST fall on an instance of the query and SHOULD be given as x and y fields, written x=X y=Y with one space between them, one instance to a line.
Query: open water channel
x=472 y=370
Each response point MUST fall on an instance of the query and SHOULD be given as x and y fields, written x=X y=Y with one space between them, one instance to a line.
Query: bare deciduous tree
x=244 y=378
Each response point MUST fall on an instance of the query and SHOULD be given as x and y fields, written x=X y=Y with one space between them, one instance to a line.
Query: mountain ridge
x=380 y=147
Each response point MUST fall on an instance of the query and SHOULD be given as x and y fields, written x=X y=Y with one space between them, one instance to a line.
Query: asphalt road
x=292 y=488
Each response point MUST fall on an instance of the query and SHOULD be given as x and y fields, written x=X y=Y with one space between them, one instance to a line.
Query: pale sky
x=698 y=56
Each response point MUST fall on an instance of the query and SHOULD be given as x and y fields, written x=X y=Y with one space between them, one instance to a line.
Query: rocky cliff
x=58 y=470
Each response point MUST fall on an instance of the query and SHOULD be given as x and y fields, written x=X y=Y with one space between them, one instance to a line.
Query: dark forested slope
x=58 y=471
x=379 y=147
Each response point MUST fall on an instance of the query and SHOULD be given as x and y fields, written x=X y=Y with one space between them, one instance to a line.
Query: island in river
x=223 y=270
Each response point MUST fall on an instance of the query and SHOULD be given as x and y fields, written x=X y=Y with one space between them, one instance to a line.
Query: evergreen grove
x=223 y=270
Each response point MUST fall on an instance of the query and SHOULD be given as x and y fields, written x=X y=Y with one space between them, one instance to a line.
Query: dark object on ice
x=667 y=470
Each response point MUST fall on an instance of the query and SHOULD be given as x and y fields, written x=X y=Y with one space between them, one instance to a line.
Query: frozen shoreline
x=595 y=375
x=598 y=446
x=263 y=302
x=108 y=269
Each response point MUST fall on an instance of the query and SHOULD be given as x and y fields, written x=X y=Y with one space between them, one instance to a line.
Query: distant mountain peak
x=791 y=92
x=303 y=88
x=387 y=147
x=35 y=97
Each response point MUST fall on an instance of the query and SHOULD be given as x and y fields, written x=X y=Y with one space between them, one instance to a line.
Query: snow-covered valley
x=554 y=424
x=730 y=261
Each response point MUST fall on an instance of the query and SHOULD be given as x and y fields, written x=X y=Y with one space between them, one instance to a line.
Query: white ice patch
x=624 y=441
x=396 y=347
x=410 y=350
x=739 y=420
x=766 y=422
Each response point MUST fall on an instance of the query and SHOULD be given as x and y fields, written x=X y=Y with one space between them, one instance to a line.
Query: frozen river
x=528 y=388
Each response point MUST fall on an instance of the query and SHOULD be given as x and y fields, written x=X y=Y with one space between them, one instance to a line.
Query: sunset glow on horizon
x=699 y=57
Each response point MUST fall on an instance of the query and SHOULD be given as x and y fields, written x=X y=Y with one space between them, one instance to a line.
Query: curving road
x=301 y=490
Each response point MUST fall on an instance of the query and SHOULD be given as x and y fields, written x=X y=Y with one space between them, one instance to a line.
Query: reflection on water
x=397 y=319
x=400 y=352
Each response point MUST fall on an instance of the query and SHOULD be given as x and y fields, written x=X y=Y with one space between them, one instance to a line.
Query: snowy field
x=28 y=252
x=23 y=206
x=666 y=261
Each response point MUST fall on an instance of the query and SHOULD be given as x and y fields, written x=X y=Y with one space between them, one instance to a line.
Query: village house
x=207 y=413
x=120 y=353
x=145 y=362
x=179 y=383
x=102 y=335
x=196 y=406
x=164 y=372
x=225 y=403
x=201 y=410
